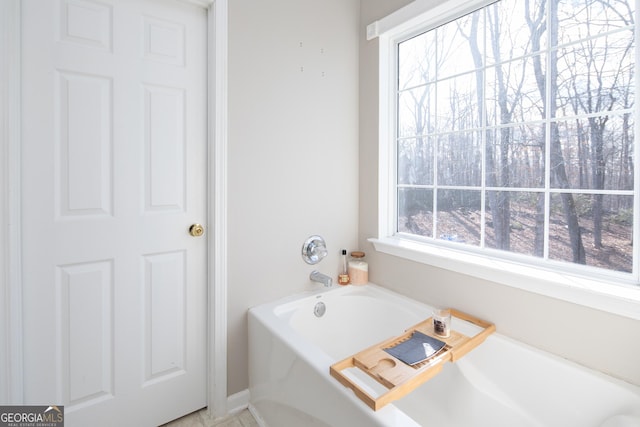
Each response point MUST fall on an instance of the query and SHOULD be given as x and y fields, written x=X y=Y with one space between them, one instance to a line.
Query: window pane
x=458 y=42
x=416 y=111
x=457 y=104
x=580 y=19
x=415 y=161
x=460 y=159
x=515 y=222
x=609 y=216
x=509 y=35
x=415 y=211
x=459 y=216
x=597 y=152
x=515 y=156
x=416 y=60
x=512 y=94
x=596 y=75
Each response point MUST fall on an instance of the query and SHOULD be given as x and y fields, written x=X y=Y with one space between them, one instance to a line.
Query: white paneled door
x=114 y=108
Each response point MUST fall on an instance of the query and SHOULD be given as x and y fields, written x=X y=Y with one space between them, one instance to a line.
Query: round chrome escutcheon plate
x=319 y=309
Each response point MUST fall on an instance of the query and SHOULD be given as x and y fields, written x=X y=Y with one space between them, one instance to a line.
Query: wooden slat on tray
x=398 y=377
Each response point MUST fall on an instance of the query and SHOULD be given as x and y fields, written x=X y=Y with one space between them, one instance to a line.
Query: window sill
x=617 y=299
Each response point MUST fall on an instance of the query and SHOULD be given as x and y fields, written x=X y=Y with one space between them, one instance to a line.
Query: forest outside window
x=514 y=131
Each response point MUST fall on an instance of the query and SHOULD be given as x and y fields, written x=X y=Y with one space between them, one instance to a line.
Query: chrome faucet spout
x=318 y=277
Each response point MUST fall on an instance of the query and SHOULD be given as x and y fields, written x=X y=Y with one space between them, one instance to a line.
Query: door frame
x=11 y=345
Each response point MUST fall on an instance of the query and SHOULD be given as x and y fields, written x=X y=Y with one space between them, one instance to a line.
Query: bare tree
x=596 y=87
x=498 y=201
x=537 y=27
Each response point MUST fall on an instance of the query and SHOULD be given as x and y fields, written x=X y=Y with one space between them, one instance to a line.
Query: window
x=513 y=134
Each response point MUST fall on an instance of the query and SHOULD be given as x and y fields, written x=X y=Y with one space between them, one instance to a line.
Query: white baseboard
x=256 y=416
x=238 y=402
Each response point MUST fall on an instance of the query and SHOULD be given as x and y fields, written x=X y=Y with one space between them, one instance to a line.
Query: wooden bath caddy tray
x=398 y=377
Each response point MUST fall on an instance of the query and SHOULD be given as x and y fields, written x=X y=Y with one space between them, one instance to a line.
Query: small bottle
x=343 y=276
x=358 y=269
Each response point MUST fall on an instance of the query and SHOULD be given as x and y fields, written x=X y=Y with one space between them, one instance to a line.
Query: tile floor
x=201 y=419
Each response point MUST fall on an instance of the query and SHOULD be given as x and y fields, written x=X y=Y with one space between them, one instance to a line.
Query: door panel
x=114 y=169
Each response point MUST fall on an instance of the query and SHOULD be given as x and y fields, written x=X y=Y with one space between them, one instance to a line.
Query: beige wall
x=296 y=169
x=566 y=329
x=293 y=150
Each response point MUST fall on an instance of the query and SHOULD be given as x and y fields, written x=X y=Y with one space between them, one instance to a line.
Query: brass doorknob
x=196 y=230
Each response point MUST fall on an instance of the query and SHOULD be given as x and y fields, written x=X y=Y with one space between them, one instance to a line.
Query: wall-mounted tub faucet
x=318 y=277
x=314 y=250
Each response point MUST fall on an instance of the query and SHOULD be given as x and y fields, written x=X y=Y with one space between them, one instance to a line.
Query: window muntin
x=514 y=137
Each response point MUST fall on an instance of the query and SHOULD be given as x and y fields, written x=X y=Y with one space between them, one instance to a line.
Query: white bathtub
x=500 y=383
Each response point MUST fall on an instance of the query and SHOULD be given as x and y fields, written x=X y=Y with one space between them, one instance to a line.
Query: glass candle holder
x=442 y=322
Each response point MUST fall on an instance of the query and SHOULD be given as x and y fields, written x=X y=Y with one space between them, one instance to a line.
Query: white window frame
x=609 y=292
